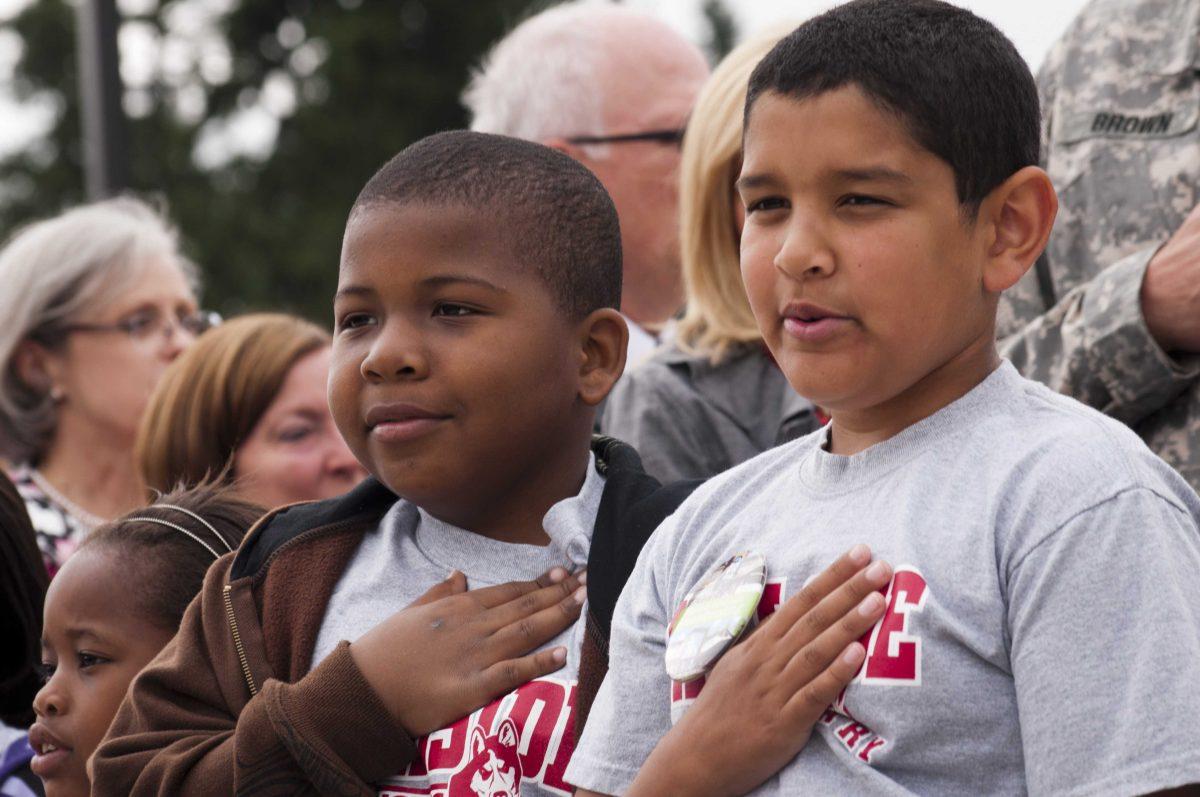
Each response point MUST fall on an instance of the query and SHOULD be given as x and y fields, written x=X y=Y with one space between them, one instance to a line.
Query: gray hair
x=52 y=270
x=540 y=80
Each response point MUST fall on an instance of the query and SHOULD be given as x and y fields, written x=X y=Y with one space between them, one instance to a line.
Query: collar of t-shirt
x=833 y=473
x=568 y=523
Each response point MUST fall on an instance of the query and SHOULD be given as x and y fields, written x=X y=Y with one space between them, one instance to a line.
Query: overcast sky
x=1032 y=24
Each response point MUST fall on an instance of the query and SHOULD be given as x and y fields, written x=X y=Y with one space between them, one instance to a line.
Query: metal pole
x=104 y=151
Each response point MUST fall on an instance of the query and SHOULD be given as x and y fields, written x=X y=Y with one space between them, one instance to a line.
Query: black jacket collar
x=368 y=501
x=625 y=483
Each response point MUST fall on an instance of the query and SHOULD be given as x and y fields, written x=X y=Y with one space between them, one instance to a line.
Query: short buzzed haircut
x=554 y=212
x=953 y=78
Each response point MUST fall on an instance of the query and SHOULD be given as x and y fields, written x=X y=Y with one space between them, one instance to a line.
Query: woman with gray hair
x=96 y=303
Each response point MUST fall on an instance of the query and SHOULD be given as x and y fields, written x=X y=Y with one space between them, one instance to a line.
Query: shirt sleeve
x=632 y=710
x=1104 y=623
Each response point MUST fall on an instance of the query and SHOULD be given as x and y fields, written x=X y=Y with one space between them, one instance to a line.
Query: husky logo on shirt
x=521 y=742
x=893 y=658
x=495 y=771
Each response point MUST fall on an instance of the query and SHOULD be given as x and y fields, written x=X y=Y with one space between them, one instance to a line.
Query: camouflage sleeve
x=1094 y=345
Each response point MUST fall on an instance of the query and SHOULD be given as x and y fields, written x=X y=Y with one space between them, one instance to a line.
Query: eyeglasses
x=151 y=323
x=673 y=137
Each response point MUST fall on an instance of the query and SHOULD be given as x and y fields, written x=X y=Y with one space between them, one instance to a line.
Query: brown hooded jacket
x=230 y=706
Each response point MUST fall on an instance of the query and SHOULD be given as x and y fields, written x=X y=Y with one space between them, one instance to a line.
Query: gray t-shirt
x=1043 y=626
x=525 y=738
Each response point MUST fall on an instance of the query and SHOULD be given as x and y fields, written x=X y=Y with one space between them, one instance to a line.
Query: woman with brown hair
x=247 y=404
x=714 y=397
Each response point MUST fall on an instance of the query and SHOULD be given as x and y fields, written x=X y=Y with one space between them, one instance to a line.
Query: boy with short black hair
x=476 y=330
x=1042 y=631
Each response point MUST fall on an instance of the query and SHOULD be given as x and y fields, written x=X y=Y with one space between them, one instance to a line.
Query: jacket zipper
x=237 y=639
x=227 y=594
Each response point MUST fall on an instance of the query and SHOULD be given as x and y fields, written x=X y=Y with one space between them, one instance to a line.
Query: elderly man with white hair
x=612 y=88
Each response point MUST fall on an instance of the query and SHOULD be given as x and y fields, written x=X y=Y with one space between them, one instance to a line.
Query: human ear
x=604 y=337
x=1021 y=212
x=34 y=366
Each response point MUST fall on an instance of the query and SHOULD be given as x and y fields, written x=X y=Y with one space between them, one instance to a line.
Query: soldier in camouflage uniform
x=1111 y=314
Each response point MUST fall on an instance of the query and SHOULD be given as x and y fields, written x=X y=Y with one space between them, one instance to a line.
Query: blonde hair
x=53 y=271
x=213 y=395
x=718 y=315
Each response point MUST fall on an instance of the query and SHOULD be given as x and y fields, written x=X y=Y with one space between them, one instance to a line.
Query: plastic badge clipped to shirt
x=714 y=615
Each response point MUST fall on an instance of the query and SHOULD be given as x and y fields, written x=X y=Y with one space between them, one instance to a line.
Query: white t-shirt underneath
x=524 y=738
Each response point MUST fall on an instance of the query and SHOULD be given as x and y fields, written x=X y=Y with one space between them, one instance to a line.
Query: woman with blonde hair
x=714 y=397
x=97 y=301
x=247 y=405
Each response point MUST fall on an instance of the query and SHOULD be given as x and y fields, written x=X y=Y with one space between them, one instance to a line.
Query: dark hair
x=23 y=582
x=961 y=87
x=556 y=214
x=166 y=565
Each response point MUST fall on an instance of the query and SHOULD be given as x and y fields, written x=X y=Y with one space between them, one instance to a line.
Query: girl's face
x=94 y=641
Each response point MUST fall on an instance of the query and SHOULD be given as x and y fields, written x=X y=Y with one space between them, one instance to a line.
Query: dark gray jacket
x=690 y=419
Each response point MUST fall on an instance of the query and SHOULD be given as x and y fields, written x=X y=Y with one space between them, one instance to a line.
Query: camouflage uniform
x=1120 y=99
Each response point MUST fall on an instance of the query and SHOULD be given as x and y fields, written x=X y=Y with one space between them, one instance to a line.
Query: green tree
x=330 y=91
x=722 y=29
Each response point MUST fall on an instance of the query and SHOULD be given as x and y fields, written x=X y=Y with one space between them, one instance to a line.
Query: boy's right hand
x=764 y=696
x=454 y=650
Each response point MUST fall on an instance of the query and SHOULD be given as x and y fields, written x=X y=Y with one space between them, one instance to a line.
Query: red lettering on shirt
x=525 y=737
x=686 y=690
x=441 y=750
x=894 y=654
x=851 y=732
x=556 y=770
x=771 y=598
x=536 y=710
x=839 y=706
x=869 y=748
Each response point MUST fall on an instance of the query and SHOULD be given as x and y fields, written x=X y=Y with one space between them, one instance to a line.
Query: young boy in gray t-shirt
x=1042 y=629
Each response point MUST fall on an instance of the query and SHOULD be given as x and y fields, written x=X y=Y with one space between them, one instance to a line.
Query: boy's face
x=858 y=264
x=454 y=370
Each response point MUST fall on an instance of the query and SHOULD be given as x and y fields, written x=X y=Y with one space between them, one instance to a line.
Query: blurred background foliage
x=254 y=123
